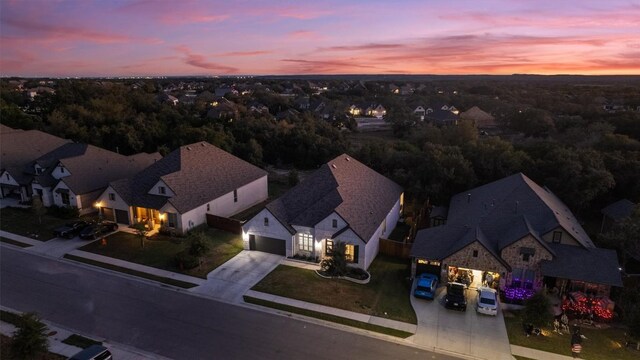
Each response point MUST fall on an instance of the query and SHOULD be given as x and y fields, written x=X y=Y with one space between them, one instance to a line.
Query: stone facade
x=484 y=260
x=512 y=254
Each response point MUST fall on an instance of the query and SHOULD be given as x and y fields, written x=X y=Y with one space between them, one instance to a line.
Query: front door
x=252 y=242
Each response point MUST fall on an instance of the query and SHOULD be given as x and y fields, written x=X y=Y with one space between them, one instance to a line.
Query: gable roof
x=92 y=168
x=513 y=195
x=619 y=210
x=480 y=117
x=361 y=196
x=593 y=265
x=196 y=173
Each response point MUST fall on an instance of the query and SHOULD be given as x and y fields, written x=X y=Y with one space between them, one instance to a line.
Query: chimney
x=468 y=198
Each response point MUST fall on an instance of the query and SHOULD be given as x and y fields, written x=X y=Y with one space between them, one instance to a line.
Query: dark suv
x=95 y=231
x=455 y=298
x=71 y=229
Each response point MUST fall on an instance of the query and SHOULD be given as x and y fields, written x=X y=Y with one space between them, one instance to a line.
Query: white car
x=487 y=301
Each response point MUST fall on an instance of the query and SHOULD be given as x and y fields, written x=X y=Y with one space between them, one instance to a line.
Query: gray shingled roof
x=592 y=265
x=619 y=210
x=516 y=194
x=19 y=148
x=361 y=196
x=196 y=173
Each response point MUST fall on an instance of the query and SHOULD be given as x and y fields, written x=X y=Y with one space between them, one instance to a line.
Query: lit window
x=235 y=195
x=329 y=248
x=334 y=223
x=266 y=221
x=305 y=242
x=351 y=253
x=112 y=196
x=557 y=236
x=162 y=190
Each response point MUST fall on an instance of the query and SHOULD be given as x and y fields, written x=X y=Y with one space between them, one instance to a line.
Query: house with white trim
x=179 y=190
x=343 y=201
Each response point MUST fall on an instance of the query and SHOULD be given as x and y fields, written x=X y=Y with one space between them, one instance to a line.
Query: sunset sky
x=169 y=37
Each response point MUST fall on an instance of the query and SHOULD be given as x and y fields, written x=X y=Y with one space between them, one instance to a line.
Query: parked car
x=426 y=285
x=455 y=298
x=95 y=231
x=93 y=352
x=71 y=229
x=487 y=301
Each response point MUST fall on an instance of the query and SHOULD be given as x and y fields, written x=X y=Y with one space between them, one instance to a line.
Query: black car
x=94 y=231
x=455 y=298
x=71 y=229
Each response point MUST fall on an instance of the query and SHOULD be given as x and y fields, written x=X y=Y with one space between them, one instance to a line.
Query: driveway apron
x=468 y=333
x=232 y=279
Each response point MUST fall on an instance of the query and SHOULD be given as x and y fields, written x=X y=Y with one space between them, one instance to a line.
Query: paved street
x=173 y=323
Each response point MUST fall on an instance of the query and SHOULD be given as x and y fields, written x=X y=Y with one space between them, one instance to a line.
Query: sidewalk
x=138 y=267
x=537 y=354
x=20 y=238
x=119 y=351
x=392 y=324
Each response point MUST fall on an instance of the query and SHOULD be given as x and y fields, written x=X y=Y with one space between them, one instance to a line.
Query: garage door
x=107 y=214
x=267 y=244
x=122 y=217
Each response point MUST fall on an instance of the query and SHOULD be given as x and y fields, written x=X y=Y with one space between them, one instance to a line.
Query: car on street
x=487 y=301
x=70 y=230
x=95 y=231
x=426 y=285
x=455 y=298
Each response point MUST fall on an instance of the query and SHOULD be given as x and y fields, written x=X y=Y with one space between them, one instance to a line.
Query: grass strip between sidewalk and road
x=328 y=317
x=80 y=341
x=13 y=242
x=9 y=317
x=164 y=280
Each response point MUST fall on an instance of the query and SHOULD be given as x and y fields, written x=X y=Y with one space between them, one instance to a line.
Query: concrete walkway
x=229 y=281
x=19 y=238
x=58 y=247
x=56 y=346
x=537 y=354
x=398 y=325
x=138 y=267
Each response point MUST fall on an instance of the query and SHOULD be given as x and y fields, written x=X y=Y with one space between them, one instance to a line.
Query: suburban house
x=75 y=174
x=19 y=149
x=616 y=213
x=376 y=110
x=481 y=119
x=181 y=189
x=522 y=235
x=442 y=115
x=343 y=201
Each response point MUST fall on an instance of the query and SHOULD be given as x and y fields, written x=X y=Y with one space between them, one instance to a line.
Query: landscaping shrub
x=537 y=310
x=63 y=212
x=30 y=337
x=186 y=261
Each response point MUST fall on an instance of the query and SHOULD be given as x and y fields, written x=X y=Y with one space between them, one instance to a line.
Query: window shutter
x=355 y=254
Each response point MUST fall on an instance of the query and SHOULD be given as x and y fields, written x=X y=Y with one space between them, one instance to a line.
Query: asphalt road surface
x=173 y=323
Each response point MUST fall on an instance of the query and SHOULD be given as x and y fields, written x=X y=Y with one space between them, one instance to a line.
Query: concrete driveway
x=468 y=333
x=232 y=279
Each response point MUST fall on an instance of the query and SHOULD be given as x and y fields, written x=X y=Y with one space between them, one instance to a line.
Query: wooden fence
x=226 y=224
x=394 y=248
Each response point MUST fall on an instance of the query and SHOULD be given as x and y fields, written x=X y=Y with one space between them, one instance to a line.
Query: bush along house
x=516 y=236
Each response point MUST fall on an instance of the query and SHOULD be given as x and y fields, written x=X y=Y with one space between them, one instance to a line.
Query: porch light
x=162 y=216
x=98 y=204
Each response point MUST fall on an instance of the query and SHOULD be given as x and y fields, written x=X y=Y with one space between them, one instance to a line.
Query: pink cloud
x=304 y=35
x=59 y=32
x=172 y=13
x=336 y=66
x=246 y=53
x=299 y=12
x=201 y=61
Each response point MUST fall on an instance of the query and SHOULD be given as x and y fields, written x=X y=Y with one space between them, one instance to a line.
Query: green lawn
x=600 y=343
x=160 y=251
x=387 y=295
x=22 y=222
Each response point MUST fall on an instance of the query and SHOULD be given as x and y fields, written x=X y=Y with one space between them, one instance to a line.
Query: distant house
x=222 y=108
x=343 y=201
x=33 y=92
x=257 y=107
x=19 y=149
x=522 y=235
x=481 y=119
x=169 y=99
x=224 y=90
x=375 y=110
x=75 y=174
x=179 y=190
x=442 y=115
x=302 y=103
